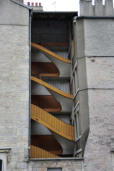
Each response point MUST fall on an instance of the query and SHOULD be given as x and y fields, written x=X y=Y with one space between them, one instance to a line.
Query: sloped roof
x=14 y=12
x=21 y=4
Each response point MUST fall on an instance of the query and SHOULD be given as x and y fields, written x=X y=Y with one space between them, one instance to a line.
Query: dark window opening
x=54 y=169
x=0 y=165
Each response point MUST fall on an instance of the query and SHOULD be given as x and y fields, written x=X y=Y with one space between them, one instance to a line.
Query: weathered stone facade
x=94 y=52
x=14 y=83
x=15 y=92
x=66 y=165
x=94 y=45
x=101 y=105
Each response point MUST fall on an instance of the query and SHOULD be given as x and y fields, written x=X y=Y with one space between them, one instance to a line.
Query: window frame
x=54 y=169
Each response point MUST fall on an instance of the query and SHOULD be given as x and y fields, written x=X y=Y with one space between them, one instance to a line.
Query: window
x=54 y=169
x=3 y=160
x=0 y=165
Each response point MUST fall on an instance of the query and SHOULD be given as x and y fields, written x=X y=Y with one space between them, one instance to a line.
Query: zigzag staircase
x=59 y=61
x=37 y=152
x=52 y=88
x=53 y=123
x=50 y=53
x=41 y=116
x=47 y=142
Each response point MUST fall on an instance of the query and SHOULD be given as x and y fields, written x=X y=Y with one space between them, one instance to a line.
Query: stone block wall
x=66 y=165
x=94 y=45
x=15 y=93
x=14 y=84
x=98 y=153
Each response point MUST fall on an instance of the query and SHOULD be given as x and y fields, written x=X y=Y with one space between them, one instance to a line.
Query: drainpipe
x=29 y=133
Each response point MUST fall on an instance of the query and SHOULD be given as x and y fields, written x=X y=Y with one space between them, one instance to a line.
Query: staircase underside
x=46 y=102
x=37 y=152
x=50 y=53
x=47 y=142
x=63 y=64
x=52 y=88
x=44 y=69
x=53 y=123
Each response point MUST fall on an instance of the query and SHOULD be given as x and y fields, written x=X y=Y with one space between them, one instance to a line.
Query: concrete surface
x=97 y=153
x=98 y=9
x=68 y=165
x=11 y=16
x=14 y=82
x=95 y=38
x=95 y=49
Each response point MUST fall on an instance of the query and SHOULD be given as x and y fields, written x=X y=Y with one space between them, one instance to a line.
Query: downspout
x=75 y=107
x=29 y=133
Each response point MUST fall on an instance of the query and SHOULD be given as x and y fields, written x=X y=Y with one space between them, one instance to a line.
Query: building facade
x=56 y=80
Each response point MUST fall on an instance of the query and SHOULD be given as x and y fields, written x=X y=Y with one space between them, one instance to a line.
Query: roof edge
x=21 y=4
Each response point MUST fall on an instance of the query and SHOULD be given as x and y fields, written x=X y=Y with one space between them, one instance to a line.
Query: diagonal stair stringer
x=52 y=123
x=64 y=65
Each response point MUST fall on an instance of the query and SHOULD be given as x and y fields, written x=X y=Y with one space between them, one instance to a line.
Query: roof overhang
x=54 y=15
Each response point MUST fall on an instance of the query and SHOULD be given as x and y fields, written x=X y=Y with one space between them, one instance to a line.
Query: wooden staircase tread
x=49 y=86
x=45 y=50
x=51 y=122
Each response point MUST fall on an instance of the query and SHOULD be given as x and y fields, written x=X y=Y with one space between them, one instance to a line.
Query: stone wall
x=15 y=94
x=66 y=165
x=14 y=83
x=100 y=73
x=94 y=44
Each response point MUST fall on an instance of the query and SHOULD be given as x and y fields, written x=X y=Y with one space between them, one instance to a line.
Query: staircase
x=53 y=123
x=40 y=113
x=50 y=54
x=52 y=88
x=37 y=152
x=63 y=64
x=47 y=142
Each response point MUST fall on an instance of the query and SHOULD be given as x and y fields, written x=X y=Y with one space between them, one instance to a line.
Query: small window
x=54 y=169
x=0 y=165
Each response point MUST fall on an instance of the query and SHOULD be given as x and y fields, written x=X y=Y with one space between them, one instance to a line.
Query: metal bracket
x=78 y=138
x=75 y=67
x=76 y=93
x=76 y=105
x=78 y=152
